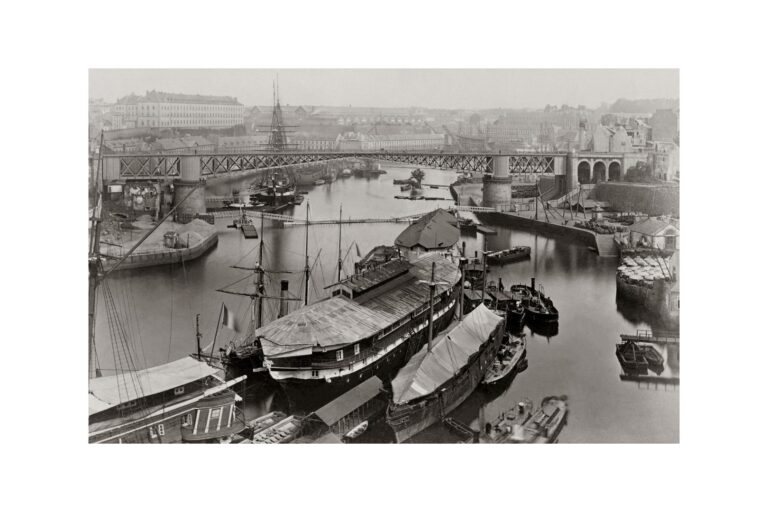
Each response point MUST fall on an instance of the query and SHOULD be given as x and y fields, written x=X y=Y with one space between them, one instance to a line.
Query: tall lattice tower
x=278 y=135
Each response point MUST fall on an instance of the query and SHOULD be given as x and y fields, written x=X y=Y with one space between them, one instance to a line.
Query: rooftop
x=435 y=230
x=333 y=411
x=651 y=227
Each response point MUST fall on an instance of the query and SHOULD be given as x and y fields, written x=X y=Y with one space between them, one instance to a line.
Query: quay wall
x=169 y=256
x=654 y=299
x=518 y=221
x=653 y=199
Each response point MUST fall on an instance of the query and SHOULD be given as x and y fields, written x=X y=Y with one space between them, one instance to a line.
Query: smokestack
x=533 y=284
x=283 y=295
x=463 y=248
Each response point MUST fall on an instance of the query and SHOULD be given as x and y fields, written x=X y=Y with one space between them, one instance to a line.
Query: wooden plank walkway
x=651 y=379
x=648 y=337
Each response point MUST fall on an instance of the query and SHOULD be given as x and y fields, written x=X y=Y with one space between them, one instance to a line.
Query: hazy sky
x=435 y=88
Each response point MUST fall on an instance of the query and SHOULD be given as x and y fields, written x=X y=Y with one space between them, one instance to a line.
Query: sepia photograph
x=384 y=256
x=347 y=255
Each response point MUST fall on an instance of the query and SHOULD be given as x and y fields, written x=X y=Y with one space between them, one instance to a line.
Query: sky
x=429 y=88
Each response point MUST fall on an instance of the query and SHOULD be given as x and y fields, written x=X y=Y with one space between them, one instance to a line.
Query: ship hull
x=307 y=394
x=409 y=419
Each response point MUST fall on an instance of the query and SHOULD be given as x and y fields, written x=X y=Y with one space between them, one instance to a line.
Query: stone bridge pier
x=189 y=178
x=497 y=188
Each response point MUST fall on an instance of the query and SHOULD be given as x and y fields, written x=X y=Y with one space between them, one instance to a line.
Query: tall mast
x=197 y=335
x=260 y=288
x=306 y=260
x=95 y=267
x=338 y=277
x=432 y=285
x=485 y=246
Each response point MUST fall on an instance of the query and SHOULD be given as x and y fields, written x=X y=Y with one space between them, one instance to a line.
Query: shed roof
x=435 y=230
x=651 y=227
x=107 y=392
x=336 y=409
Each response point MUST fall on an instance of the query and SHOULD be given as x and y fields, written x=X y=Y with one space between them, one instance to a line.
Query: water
x=579 y=361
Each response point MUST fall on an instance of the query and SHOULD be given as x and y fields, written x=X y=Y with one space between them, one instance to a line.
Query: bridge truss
x=146 y=166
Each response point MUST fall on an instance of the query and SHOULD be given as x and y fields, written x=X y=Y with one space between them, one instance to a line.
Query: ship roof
x=340 y=321
x=107 y=392
x=430 y=369
x=651 y=227
x=335 y=410
x=435 y=230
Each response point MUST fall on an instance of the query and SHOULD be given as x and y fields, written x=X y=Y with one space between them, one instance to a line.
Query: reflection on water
x=578 y=360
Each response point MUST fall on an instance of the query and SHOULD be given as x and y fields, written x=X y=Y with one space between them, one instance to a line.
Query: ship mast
x=306 y=260
x=432 y=285
x=338 y=277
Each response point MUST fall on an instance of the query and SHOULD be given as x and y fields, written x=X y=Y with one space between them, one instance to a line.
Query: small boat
x=515 y=314
x=346 y=173
x=282 y=432
x=405 y=188
x=510 y=255
x=500 y=429
x=631 y=357
x=654 y=358
x=545 y=424
x=259 y=424
x=511 y=353
x=540 y=308
x=356 y=432
x=320 y=182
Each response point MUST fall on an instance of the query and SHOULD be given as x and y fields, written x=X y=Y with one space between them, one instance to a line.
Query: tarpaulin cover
x=107 y=392
x=428 y=370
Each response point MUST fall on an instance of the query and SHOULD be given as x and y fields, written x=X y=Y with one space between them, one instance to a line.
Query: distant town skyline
x=471 y=89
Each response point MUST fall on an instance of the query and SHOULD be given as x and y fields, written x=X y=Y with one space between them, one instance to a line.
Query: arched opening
x=584 y=172
x=599 y=172
x=614 y=171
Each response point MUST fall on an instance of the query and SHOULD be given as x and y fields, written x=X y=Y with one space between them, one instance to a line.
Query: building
x=359 y=404
x=435 y=231
x=171 y=110
x=654 y=233
x=610 y=140
x=354 y=141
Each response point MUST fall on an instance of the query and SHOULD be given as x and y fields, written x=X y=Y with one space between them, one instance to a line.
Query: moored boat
x=281 y=432
x=444 y=373
x=540 y=308
x=356 y=431
x=510 y=355
x=255 y=426
x=182 y=401
x=513 y=254
x=276 y=189
x=542 y=426
x=654 y=358
x=631 y=357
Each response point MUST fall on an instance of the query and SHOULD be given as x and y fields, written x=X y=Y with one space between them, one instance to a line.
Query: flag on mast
x=228 y=319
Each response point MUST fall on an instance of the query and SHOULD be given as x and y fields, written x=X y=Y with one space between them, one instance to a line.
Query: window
x=186 y=420
x=152 y=432
x=161 y=429
x=215 y=413
x=127 y=405
x=315 y=373
x=178 y=391
x=357 y=348
x=340 y=355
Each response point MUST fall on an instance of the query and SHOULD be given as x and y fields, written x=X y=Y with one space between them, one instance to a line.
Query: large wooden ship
x=181 y=401
x=372 y=323
x=442 y=375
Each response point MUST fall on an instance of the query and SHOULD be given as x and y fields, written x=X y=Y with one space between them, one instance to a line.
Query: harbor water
x=159 y=307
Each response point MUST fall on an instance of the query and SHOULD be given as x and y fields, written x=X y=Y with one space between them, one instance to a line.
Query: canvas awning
x=428 y=370
x=107 y=392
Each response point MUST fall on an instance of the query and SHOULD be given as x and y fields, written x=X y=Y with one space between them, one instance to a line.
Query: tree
x=641 y=172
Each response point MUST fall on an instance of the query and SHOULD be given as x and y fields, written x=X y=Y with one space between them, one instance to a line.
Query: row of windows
x=340 y=352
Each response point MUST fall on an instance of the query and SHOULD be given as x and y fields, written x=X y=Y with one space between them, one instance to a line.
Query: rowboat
x=510 y=255
x=511 y=353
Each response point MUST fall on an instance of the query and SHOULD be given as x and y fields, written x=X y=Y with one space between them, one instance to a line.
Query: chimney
x=283 y=295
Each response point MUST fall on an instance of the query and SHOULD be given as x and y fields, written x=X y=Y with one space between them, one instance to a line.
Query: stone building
x=171 y=110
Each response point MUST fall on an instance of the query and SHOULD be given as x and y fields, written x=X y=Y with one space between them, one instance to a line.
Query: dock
x=646 y=336
x=650 y=379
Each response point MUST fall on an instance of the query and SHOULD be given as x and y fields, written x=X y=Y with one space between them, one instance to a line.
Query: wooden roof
x=435 y=230
x=335 y=410
x=339 y=321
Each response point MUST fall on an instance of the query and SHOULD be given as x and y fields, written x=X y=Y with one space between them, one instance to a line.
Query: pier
x=646 y=336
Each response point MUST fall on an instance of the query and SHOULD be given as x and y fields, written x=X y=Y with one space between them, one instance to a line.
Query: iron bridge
x=212 y=165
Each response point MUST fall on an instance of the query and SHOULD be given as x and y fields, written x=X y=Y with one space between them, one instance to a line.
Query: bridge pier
x=189 y=172
x=571 y=175
x=497 y=188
